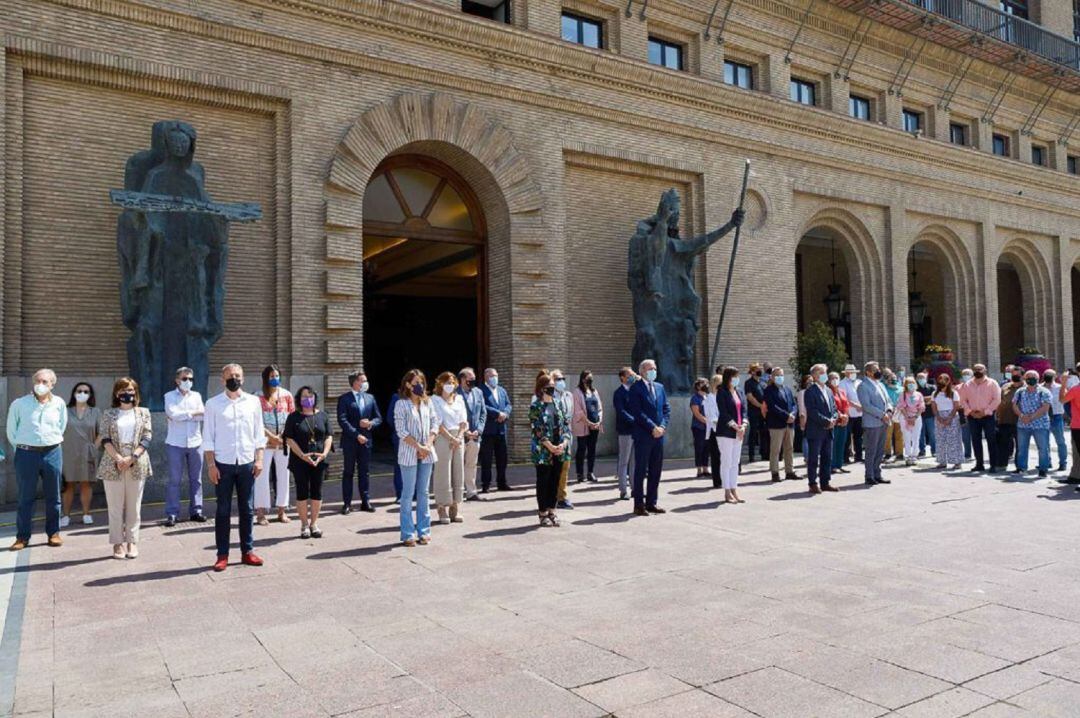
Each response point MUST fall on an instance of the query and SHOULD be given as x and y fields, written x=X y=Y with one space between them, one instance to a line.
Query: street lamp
x=916 y=309
x=834 y=300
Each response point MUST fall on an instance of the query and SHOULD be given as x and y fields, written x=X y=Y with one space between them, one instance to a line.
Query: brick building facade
x=557 y=150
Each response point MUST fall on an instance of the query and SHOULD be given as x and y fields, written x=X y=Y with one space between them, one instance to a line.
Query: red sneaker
x=251 y=559
x=221 y=564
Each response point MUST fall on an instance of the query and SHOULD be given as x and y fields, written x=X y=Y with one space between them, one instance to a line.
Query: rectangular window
x=859 y=107
x=582 y=30
x=665 y=54
x=1070 y=165
x=913 y=121
x=1019 y=8
x=1001 y=146
x=803 y=91
x=497 y=11
x=1038 y=155
x=738 y=74
x=958 y=133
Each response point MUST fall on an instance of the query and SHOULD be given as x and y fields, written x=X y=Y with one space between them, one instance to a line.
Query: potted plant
x=940 y=352
x=817 y=345
x=939 y=359
x=1032 y=358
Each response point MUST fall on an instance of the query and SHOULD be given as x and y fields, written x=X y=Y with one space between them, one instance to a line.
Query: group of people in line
x=252 y=443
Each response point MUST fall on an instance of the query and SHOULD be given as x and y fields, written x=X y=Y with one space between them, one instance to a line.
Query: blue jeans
x=839 y=447
x=183 y=462
x=415 y=479
x=1057 y=428
x=965 y=437
x=240 y=477
x=397 y=470
x=1042 y=442
x=29 y=466
x=928 y=438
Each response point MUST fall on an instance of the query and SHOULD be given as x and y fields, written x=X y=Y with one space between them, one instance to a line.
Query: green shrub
x=818 y=346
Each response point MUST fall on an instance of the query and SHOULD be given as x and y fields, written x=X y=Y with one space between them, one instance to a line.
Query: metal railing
x=1007 y=28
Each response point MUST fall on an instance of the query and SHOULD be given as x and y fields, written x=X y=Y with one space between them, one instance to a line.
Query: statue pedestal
x=679 y=443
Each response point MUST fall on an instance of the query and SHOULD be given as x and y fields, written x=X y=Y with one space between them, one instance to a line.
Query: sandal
x=546 y=521
x=304 y=533
x=554 y=520
x=424 y=540
x=408 y=542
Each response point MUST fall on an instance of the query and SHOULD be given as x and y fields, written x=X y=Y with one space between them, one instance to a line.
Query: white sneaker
x=87 y=519
x=65 y=521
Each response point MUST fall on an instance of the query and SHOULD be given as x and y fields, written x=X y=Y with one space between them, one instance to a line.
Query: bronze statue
x=661 y=281
x=172 y=242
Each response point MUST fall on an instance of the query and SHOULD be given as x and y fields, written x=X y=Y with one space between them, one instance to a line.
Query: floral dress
x=949 y=448
x=548 y=421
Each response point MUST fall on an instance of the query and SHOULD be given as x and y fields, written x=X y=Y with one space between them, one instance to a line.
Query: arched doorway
x=823 y=288
x=942 y=293
x=424 y=272
x=1013 y=309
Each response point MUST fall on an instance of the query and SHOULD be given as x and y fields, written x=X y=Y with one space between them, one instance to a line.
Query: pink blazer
x=579 y=421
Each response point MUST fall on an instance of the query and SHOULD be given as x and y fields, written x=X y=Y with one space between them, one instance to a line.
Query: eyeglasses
x=187 y=378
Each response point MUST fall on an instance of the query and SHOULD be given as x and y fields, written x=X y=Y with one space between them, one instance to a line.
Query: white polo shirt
x=233 y=428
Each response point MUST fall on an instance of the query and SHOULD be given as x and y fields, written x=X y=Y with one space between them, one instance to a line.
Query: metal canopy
x=983 y=32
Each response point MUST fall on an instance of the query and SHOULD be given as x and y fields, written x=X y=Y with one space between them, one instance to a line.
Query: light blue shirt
x=32 y=423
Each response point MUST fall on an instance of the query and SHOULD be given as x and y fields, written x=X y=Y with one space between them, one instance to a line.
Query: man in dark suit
x=649 y=406
x=821 y=417
x=493 y=438
x=357 y=415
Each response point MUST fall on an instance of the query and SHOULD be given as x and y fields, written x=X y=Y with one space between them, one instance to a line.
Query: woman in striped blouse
x=416 y=426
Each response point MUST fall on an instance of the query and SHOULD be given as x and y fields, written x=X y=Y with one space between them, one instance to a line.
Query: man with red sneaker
x=233 y=441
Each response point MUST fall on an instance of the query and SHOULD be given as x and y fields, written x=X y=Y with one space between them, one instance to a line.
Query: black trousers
x=1006 y=445
x=547 y=485
x=714 y=458
x=757 y=436
x=980 y=428
x=493 y=445
x=586 y=447
x=854 y=438
x=701 y=452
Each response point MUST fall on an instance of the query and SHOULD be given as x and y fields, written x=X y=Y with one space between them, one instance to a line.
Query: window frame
x=965 y=131
x=736 y=66
x=1006 y=142
x=1044 y=155
x=581 y=20
x=853 y=100
x=795 y=87
x=1071 y=162
x=665 y=47
x=920 y=120
x=507 y=6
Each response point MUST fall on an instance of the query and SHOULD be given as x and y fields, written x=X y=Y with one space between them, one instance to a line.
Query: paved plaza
x=940 y=595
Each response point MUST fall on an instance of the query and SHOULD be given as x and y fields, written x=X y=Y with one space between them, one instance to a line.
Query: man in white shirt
x=850 y=385
x=184 y=412
x=233 y=442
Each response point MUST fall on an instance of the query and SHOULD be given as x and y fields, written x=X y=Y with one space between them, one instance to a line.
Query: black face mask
x=759 y=374
x=1016 y=378
x=466 y=384
x=233 y=384
x=126 y=398
x=1032 y=380
x=549 y=390
x=588 y=382
x=878 y=374
x=979 y=374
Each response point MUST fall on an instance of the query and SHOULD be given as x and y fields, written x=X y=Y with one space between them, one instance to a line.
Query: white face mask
x=42 y=389
x=834 y=382
x=364 y=387
x=448 y=389
x=82 y=397
x=186 y=385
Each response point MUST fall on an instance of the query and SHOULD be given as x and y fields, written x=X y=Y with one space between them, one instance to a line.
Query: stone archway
x=958 y=320
x=458 y=134
x=1027 y=318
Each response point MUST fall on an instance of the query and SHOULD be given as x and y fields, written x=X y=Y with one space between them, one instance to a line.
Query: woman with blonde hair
x=711 y=413
x=416 y=426
x=452 y=422
x=126 y=433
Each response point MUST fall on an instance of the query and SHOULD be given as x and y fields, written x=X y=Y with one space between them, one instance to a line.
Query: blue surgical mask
x=364 y=387
x=493 y=381
x=822 y=378
x=779 y=380
x=274 y=381
x=560 y=385
x=651 y=375
x=734 y=381
x=922 y=382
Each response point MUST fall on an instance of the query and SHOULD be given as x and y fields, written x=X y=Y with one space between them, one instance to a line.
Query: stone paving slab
x=936 y=596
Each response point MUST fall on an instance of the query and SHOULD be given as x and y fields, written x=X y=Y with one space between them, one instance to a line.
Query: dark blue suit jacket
x=725 y=408
x=349 y=414
x=624 y=420
x=820 y=410
x=497 y=401
x=648 y=412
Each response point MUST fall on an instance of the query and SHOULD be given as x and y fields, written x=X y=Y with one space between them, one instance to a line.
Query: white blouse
x=125 y=426
x=450 y=415
x=945 y=403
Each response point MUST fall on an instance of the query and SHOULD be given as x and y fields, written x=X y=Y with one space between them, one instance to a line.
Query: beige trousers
x=448 y=479
x=472 y=454
x=124 y=497
x=781 y=438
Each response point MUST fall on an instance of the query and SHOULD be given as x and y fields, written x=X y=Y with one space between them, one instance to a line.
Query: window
x=1070 y=165
x=958 y=133
x=1019 y=8
x=1001 y=145
x=1038 y=155
x=738 y=74
x=859 y=107
x=913 y=121
x=1076 y=20
x=803 y=91
x=582 y=30
x=665 y=54
x=490 y=9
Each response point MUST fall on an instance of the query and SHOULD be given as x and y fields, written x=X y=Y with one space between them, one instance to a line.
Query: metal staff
x=730 y=271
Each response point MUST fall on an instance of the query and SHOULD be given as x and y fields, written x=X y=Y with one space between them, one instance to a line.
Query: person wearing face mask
x=277 y=403
x=840 y=431
x=894 y=437
x=699 y=425
x=712 y=415
x=910 y=408
x=850 y=384
x=624 y=427
x=549 y=447
x=309 y=436
x=821 y=417
x=81 y=442
x=652 y=412
x=233 y=443
x=928 y=437
x=1070 y=397
x=126 y=433
x=357 y=415
x=755 y=399
x=781 y=412
x=184 y=413
x=1005 y=420
x=980 y=399
x=452 y=422
x=731 y=427
x=417 y=426
x=965 y=428
x=493 y=444
x=477 y=413
x=946 y=407
x=586 y=425
x=1057 y=417
x=877 y=416
x=1032 y=407
x=565 y=398
x=35 y=427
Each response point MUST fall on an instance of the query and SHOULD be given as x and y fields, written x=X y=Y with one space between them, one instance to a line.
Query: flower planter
x=1033 y=362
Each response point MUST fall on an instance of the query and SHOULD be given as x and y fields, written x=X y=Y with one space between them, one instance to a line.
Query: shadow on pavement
x=141 y=577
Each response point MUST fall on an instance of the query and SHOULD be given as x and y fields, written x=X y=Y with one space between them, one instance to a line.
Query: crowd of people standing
x=252 y=444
